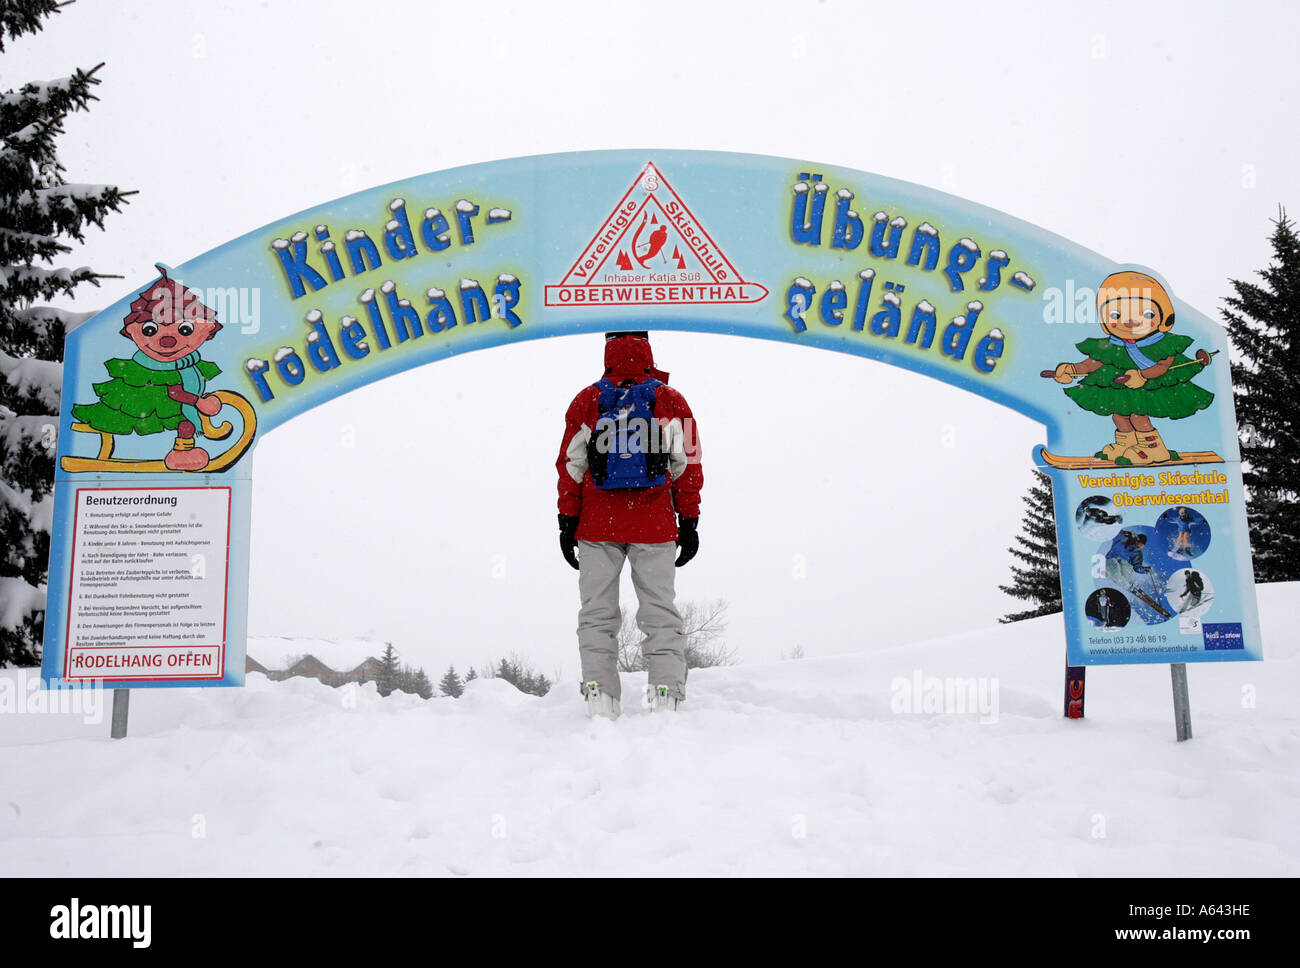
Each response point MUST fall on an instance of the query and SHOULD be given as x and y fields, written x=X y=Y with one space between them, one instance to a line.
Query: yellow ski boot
x=1124 y=439
x=1149 y=449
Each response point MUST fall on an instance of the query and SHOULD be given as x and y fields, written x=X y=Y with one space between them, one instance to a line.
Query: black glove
x=688 y=539
x=568 y=544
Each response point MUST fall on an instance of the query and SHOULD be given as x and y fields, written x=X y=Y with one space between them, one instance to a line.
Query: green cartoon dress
x=135 y=400
x=1172 y=395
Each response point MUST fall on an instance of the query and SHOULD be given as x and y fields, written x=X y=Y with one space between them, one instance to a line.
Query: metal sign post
x=1182 y=707
x=121 y=703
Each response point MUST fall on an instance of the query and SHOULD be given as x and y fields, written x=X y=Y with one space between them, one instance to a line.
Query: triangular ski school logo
x=651 y=251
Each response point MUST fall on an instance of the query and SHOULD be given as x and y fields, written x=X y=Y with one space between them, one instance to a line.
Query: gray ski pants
x=653 y=574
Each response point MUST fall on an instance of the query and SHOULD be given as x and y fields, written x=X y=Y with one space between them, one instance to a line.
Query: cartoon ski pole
x=1202 y=358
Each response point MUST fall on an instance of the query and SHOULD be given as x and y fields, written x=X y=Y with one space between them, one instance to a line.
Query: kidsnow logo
x=652 y=251
x=76 y=921
x=924 y=694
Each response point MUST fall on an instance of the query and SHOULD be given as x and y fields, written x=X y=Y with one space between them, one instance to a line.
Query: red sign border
x=664 y=183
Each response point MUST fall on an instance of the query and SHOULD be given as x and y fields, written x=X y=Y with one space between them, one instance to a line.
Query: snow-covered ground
x=797 y=766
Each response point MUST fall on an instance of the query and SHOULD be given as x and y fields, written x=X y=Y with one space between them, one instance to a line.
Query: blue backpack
x=626 y=449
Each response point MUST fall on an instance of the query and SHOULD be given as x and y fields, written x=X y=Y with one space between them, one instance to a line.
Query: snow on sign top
x=652 y=250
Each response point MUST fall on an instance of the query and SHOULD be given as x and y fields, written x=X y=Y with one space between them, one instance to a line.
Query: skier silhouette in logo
x=654 y=246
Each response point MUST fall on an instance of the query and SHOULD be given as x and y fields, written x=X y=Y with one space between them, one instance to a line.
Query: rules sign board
x=147 y=598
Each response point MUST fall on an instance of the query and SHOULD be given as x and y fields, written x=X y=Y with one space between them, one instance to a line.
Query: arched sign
x=166 y=391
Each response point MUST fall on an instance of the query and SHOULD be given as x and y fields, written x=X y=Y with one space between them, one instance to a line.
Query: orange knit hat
x=1135 y=285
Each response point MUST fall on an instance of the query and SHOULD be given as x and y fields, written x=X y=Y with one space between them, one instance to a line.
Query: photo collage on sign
x=1150 y=575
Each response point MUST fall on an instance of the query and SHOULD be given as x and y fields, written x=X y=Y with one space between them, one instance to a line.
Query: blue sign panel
x=168 y=390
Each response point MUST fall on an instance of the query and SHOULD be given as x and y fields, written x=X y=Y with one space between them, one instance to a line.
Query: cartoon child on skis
x=1137 y=371
x=162 y=386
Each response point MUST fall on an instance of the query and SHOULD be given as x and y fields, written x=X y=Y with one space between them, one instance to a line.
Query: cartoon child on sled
x=162 y=386
x=1137 y=371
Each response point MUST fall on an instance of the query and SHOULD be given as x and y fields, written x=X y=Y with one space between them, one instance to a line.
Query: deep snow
x=800 y=766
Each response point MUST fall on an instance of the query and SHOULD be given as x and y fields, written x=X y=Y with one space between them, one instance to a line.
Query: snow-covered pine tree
x=414 y=681
x=39 y=214
x=507 y=670
x=450 y=684
x=519 y=673
x=390 y=671
x=1040 y=580
x=1264 y=326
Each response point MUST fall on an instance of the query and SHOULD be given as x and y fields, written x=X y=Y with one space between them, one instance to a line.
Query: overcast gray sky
x=1163 y=134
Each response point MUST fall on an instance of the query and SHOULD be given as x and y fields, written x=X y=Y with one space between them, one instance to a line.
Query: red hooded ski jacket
x=643 y=515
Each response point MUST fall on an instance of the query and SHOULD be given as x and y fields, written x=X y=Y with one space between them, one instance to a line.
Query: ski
x=1160 y=609
x=1091 y=463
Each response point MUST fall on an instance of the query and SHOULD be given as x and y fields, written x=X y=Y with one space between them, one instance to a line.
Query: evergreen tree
x=415 y=682
x=405 y=679
x=39 y=214
x=1040 y=580
x=450 y=685
x=390 y=671
x=539 y=685
x=508 y=671
x=471 y=676
x=519 y=674
x=1264 y=326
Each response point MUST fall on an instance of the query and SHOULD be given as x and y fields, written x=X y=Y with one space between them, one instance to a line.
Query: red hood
x=630 y=358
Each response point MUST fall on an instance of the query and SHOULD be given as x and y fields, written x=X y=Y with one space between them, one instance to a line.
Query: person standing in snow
x=629 y=479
